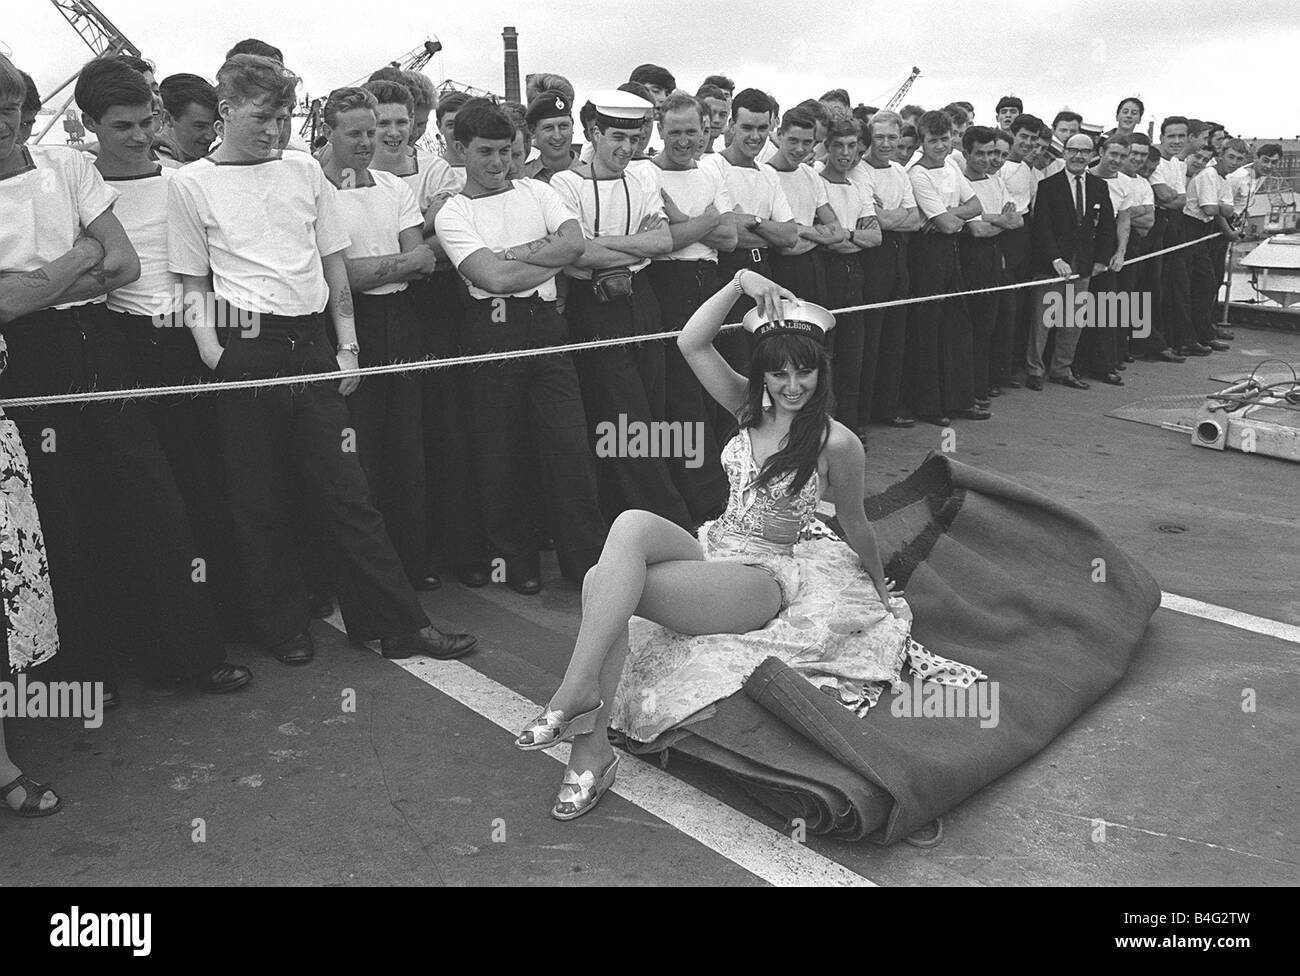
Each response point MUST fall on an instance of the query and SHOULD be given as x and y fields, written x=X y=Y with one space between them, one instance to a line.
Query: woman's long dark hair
x=809 y=428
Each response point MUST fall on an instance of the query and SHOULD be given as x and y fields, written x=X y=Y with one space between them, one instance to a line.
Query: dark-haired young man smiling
x=509 y=239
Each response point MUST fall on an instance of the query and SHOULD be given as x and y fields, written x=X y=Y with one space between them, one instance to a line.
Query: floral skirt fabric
x=835 y=631
x=31 y=627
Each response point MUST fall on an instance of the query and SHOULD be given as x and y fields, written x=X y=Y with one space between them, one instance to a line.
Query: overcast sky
x=1201 y=58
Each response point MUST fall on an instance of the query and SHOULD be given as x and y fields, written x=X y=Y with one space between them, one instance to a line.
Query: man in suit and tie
x=1073 y=227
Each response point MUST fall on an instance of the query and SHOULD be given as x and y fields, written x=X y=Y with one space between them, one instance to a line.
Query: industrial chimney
x=511 y=38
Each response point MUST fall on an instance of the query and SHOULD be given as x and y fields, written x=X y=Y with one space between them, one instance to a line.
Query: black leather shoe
x=1218 y=345
x=430 y=642
x=1168 y=356
x=224 y=678
x=321 y=605
x=1225 y=334
x=901 y=421
x=938 y=421
x=1011 y=384
x=427 y=582
x=473 y=577
x=295 y=650
x=1034 y=382
x=1196 y=350
x=1121 y=367
x=1114 y=379
x=995 y=391
x=1129 y=359
x=973 y=413
x=1073 y=382
x=528 y=587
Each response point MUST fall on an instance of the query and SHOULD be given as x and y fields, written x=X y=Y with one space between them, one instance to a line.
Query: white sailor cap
x=621 y=109
x=798 y=318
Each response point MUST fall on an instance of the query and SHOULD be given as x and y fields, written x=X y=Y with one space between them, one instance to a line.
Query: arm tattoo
x=343 y=305
x=868 y=223
x=532 y=247
x=99 y=274
x=35 y=279
x=387 y=268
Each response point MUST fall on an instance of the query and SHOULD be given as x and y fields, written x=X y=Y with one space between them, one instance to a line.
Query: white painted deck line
x=767 y=854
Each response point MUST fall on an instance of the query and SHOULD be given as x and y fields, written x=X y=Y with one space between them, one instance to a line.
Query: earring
x=767 y=399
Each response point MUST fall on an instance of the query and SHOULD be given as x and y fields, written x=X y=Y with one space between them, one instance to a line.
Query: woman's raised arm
x=722 y=382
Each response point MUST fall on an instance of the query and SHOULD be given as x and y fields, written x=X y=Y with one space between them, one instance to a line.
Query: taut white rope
x=194 y=389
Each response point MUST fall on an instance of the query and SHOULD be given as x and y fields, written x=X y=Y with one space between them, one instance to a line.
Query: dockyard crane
x=413 y=60
x=903 y=89
x=100 y=35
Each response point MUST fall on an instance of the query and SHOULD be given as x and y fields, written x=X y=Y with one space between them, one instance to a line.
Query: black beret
x=548 y=105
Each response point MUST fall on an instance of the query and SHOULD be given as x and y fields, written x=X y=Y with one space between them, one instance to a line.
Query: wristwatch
x=351 y=347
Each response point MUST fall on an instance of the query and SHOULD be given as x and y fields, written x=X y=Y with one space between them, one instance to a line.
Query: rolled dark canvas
x=998 y=576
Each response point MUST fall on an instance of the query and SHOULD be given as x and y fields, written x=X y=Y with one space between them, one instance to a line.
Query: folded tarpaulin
x=999 y=577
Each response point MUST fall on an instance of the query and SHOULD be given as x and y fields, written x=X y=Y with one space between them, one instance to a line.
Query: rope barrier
x=195 y=389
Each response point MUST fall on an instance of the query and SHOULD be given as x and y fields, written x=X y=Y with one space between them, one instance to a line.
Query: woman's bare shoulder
x=842 y=445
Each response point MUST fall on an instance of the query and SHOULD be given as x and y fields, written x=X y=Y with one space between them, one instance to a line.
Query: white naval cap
x=621 y=109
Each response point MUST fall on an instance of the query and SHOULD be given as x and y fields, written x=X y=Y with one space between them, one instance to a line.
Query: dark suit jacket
x=1056 y=233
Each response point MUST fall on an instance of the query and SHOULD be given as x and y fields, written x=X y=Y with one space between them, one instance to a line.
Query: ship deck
x=420 y=785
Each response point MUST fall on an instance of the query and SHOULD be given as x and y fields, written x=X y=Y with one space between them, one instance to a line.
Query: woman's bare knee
x=650 y=537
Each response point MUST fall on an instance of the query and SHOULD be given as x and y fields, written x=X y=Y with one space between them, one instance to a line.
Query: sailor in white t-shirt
x=381 y=217
x=980 y=254
x=621 y=211
x=802 y=268
x=855 y=212
x=763 y=221
x=1169 y=183
x=1203 y=214
x=938 y=357
x=267 y=230
x=508 y=239
x=701 y=220
x=885 y=277
x=1104 y=349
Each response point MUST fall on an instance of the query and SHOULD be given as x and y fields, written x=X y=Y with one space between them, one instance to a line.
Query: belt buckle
x=755 y=255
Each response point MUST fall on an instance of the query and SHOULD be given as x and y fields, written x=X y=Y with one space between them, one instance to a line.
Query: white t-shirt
x=432 y=174
x=992 y=193
x=1207 y=189
x=1244 y=185
x=260 y=228
x=374 y=216
x=142 y=210
x=1020 y=183
x=890 y=183
x=528 y=211
x=938 y=189
x=639 y=189
x=1172 y=173
x=1140 y=192
x=44 y=208
x=692 y=191
x=804 y=191
x=849 y=201
x=756 y=191
x=1121 y=190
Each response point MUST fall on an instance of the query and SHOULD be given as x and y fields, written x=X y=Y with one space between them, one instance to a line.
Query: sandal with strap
x=551 y=727
x=31 y=805
x=580 y=792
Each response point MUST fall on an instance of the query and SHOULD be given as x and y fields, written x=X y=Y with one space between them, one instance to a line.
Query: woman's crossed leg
x=655 y=569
